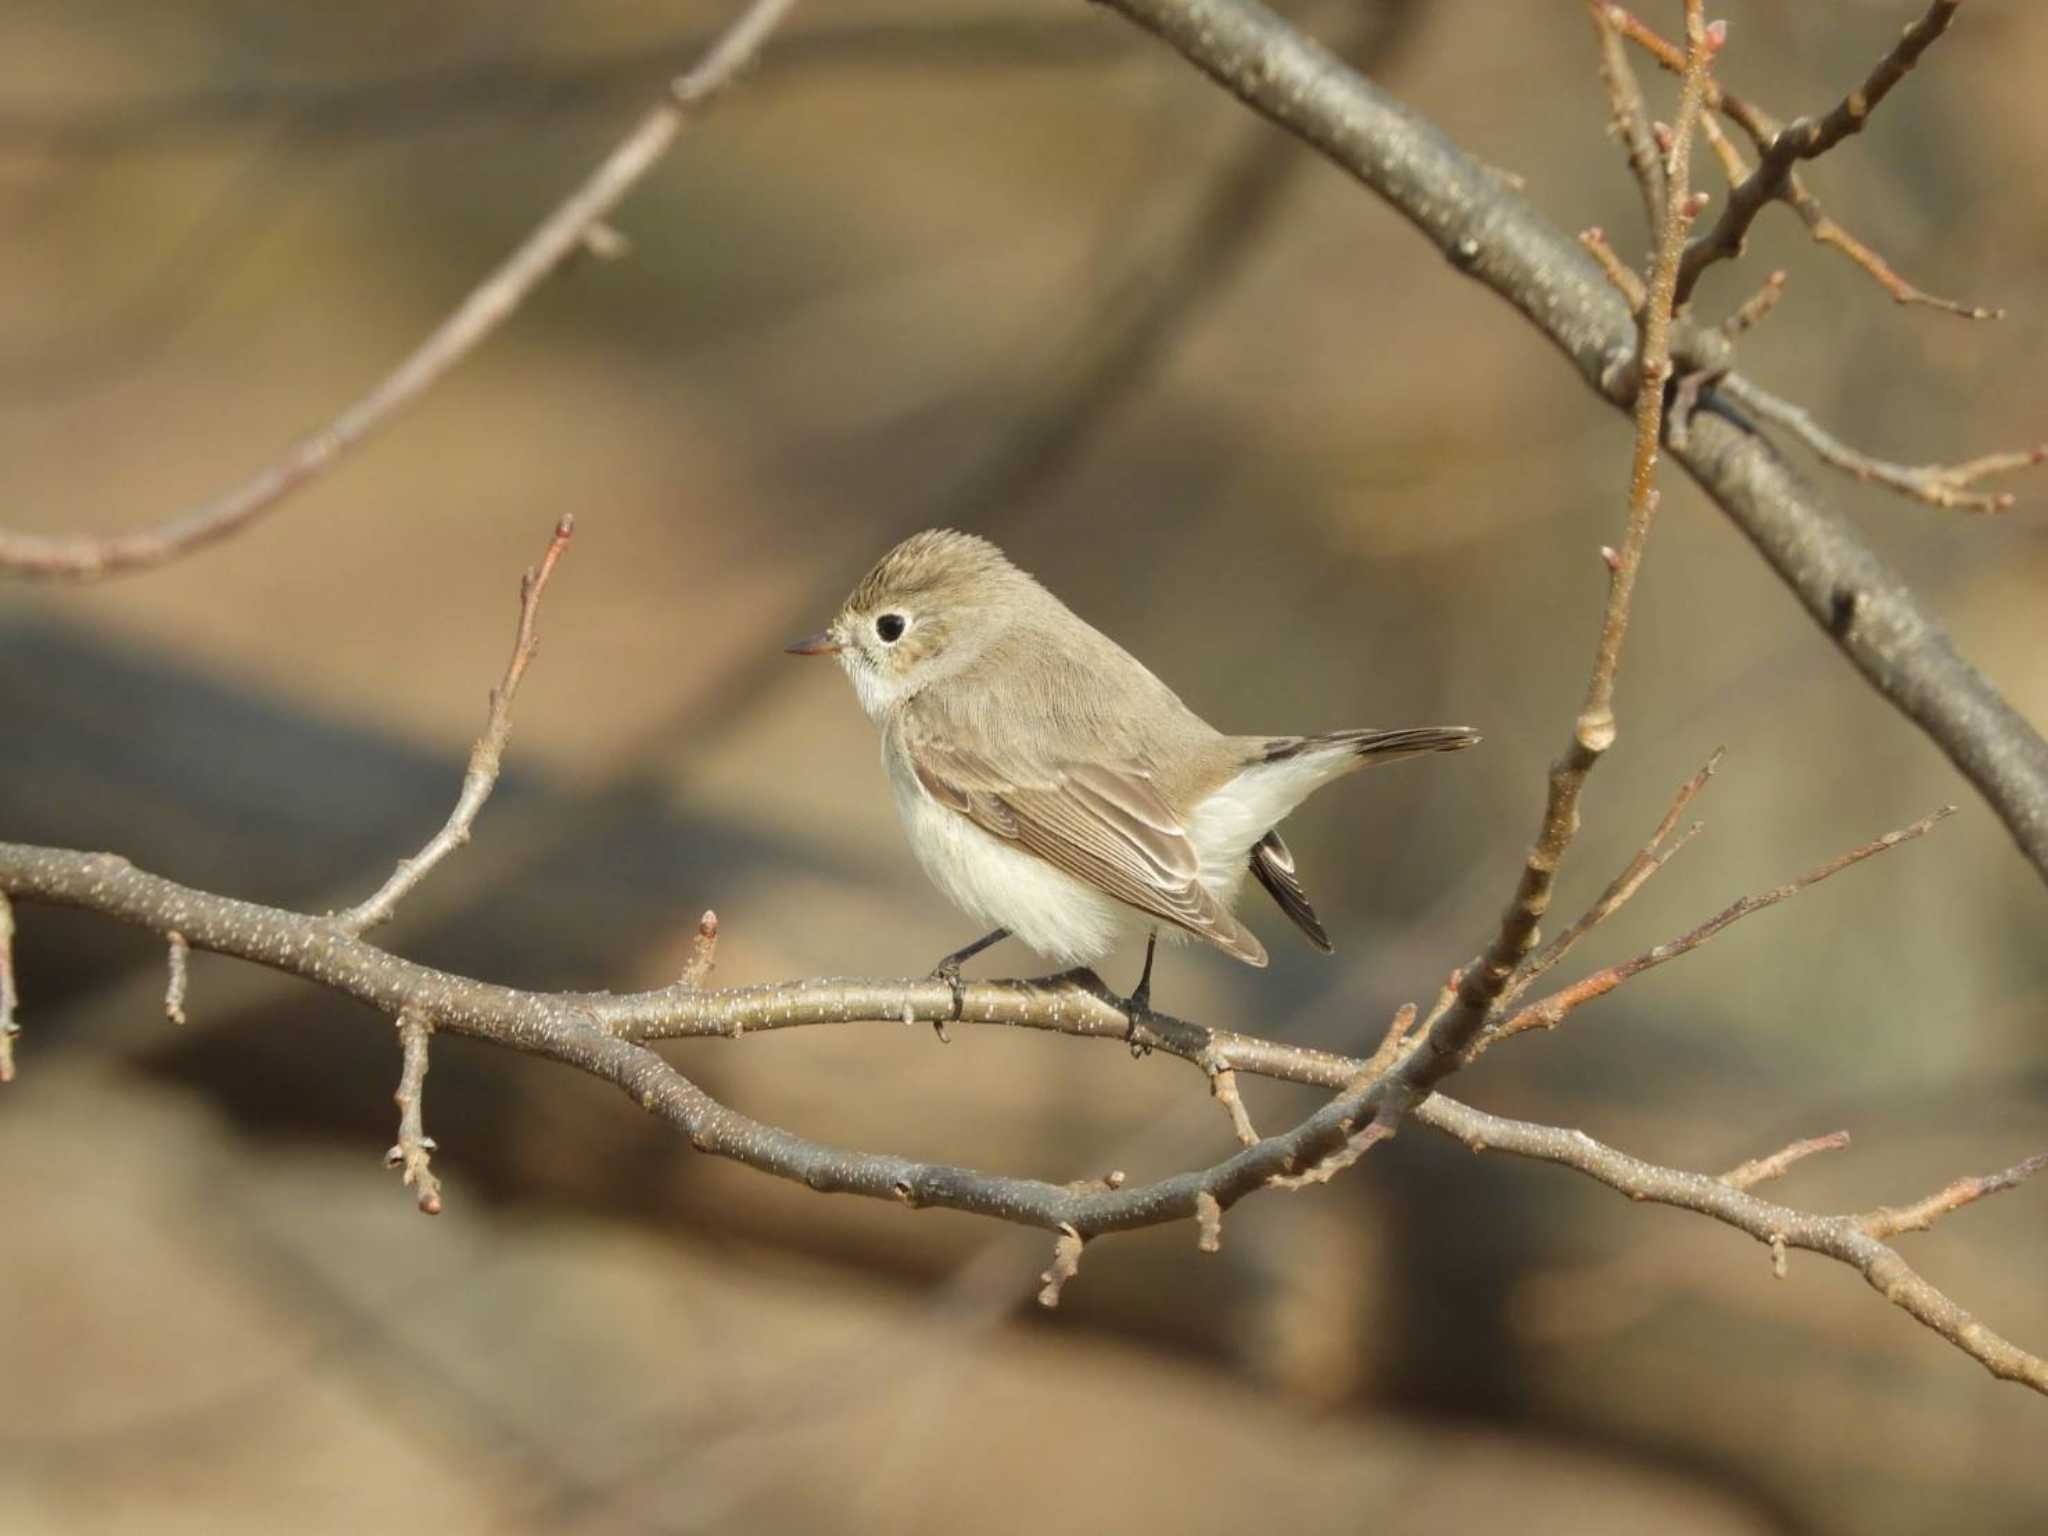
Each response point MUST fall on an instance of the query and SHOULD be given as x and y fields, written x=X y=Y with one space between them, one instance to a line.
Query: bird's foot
x=948 y=971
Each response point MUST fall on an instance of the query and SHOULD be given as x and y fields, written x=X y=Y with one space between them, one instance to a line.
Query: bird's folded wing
x=1107 y=826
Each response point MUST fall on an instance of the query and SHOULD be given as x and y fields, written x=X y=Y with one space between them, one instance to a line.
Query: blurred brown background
x=1012 y=266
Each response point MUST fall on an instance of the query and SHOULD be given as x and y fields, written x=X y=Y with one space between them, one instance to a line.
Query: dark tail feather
x=1274 y=865
x=1379 y=746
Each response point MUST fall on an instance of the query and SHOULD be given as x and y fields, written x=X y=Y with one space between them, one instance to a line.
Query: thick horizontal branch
x=606 y=1034
x=1490 y=232
x=553 y=241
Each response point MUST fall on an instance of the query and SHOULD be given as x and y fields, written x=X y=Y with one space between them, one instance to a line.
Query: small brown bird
x=1055 y=789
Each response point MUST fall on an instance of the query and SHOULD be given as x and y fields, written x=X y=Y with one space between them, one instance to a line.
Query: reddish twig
x=1650 y=858
x=1760 y=1170
x=1753 y=309
x=485 y=757
x=1445 y=1046
x=1889 y=1220
x=1628 y=119
x=1939 y=485
x=557 y=238
x=703 y=951
x=1552 y=1010
x=1619 y=273
x=1763 y=129
x=1807 y=139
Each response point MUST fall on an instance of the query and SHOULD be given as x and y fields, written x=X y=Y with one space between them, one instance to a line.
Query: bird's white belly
x=1001 y=886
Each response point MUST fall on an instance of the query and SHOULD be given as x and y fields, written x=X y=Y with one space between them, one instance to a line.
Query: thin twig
x=1066 y=1263
x=8 y=1028
x=1552 y=1010
x=1625 y=279
x=1776 y=1226
x=414 y=1151
x=1223 y=1085
x=1650 y=858
x=1732 y=164
x=174 y=986
x=485 y=758
x=1889 y=1220
x=1939 y=485
x=1763 y=129
x=554 y=240
x=1760 y=1170
x=1759 y=304
x=703 y=951
x=1829 y=233
x=1807 y=139
x=1444 y=1048
x=597 y=1033
x=1628 y=119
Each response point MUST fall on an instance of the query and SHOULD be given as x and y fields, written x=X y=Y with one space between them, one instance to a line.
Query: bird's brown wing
x=1107 y=826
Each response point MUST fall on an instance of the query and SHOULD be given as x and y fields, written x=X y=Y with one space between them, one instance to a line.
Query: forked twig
x=1939 y=485
x=1552 y=1010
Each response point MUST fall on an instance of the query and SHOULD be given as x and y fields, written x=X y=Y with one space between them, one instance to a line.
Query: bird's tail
x=1371 y=746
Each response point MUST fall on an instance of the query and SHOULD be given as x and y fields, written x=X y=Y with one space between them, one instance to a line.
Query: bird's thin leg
x=1138 y=1006
x=948 y=969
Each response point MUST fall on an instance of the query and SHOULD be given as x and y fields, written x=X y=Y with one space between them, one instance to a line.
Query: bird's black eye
x=890 y=627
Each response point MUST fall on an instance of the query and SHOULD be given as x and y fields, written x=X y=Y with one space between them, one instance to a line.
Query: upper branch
x=1490 y=232
x=553 y=241
x=485 y=758
x=1807 y=139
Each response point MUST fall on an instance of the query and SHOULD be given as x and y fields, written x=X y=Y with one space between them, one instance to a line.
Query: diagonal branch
x=601 y=1034
x=1490 y=232
x=1939 y=485
x=1446 y=1045
x=1763 y=129
x=554 y=240
x=481 y=776
x=1551 y=1011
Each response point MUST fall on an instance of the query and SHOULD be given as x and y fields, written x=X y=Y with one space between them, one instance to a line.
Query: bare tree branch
x=1593 y=732
x=414 y=1152
x=1761 y=1170
x=1763 y=129
x=1490 y=232
x=1552 y=1010
x=1807 y=139
x=1628 y=118
x=1939 y=485
x=603 y=1034
x=557 y=237
x=481 y=777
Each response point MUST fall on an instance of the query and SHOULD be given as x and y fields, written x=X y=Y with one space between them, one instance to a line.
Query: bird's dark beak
x=823 y=643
